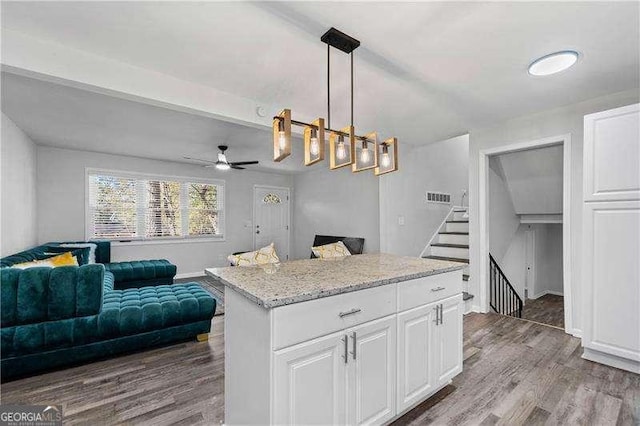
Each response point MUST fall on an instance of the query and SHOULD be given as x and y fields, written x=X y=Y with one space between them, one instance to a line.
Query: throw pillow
x=331 y=250
x=65 y=259
x=259 y=257
x=92 y=249
x=82 y=254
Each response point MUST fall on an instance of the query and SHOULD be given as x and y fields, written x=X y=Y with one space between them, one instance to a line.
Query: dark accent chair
x=355 y=245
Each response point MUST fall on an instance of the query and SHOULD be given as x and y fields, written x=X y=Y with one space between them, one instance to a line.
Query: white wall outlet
x=401 y=220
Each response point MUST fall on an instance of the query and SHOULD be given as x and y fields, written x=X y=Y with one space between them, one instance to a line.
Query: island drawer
x=429 y=289
x=303 y=321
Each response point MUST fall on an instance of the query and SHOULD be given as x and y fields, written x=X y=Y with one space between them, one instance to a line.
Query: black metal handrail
x=503 y=297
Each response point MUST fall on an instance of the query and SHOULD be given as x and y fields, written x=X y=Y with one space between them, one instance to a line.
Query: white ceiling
x=66 y=117
x=424 y=72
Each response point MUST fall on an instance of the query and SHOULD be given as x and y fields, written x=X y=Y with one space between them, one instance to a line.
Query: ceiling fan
x=223 y=163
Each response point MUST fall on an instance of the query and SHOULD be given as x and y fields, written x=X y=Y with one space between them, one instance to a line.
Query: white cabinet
x=430 y=349
x=352 y=358
x=347 y=377
x=416 y=363
x=371 y=372
x=611 y=232
x=448 y=336
x=310 y=382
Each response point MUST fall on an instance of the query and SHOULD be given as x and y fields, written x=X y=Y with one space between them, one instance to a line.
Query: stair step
x=449 y=259
x=465 y=277
x=457 y=221
x=466 y=296
x=450 y=245
x=454 y=233
x=459 y=210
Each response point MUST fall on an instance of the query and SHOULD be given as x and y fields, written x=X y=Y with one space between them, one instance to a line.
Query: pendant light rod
x=328 y=85
x=351 y=55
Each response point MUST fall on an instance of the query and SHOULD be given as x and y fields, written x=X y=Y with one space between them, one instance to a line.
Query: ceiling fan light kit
x=343 y=149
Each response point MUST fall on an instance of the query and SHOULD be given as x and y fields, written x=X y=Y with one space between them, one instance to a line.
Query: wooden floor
x=515 y=372
x=548 y=309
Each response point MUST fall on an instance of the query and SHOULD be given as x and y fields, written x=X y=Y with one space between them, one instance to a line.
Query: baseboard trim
x=189 y=275
x=611 y=360
x=544 y=293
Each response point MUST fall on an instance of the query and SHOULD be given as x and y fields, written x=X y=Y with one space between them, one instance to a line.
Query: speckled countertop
x=300 y=280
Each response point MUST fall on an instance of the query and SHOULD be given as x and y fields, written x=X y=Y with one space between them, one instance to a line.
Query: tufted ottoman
x=140 y=273
x=138 y=310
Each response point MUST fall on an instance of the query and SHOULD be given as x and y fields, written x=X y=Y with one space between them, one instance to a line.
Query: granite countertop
x=300 y=280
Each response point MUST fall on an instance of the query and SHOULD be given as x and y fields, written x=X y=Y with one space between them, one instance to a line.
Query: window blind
x=122 y=206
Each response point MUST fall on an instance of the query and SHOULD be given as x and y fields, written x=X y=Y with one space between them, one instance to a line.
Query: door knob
x=258 y=231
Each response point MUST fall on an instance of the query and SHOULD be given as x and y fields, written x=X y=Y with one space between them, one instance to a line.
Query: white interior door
x=271 y=219
x=530 y=264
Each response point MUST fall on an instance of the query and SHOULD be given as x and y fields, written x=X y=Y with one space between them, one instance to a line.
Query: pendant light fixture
x=345 y=147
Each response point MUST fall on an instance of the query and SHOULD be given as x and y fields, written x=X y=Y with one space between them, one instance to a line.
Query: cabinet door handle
x=437 y=308
x=437 y=289
x=441 y=313
x=346 y=349
x=351 y=312
x=353 y=336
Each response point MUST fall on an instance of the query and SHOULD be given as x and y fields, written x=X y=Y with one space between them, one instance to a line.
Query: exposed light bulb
x=222 y=166
x=385 y=160
x=365 y=154
x=341 y=151
x=282 y=140
x=314 y=147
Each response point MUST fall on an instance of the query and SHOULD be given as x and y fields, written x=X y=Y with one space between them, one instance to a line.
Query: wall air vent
x=438 y=197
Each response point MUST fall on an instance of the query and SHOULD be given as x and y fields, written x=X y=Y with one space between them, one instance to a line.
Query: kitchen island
x=358 y=339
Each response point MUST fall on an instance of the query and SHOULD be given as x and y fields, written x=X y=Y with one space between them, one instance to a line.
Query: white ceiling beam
x=53 y=62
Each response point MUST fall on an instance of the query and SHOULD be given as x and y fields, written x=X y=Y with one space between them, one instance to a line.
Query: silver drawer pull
x=437 y=289
x=351 y=312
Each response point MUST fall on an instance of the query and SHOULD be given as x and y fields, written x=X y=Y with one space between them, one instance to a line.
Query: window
x=122 y=206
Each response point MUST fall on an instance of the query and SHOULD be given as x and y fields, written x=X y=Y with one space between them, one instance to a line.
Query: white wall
x=442 y=167
x=548 y=260
x=337 y=202
x=61 y=205
x=18 y=223
x=568 y=119
x=534 y=178
x=503 y=220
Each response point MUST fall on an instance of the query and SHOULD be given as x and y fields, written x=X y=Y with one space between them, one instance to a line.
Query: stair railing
x=503 y=298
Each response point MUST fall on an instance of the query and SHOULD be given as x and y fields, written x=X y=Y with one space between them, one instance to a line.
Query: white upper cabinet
x=612 y=154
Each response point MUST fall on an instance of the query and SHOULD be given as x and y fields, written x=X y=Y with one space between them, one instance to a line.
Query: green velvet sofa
x=130 y=274
x=56 y=317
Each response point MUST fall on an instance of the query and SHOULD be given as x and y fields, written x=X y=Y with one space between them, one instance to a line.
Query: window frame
x=184 y=207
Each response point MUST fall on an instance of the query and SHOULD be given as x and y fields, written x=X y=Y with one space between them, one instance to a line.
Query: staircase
x=452 y=243
x=503 y=298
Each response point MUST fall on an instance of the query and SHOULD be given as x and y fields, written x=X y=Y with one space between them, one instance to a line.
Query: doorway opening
x=525 y=231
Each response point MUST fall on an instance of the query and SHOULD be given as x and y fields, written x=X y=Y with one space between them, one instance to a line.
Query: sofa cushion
x=139 y=270
x=50 y=294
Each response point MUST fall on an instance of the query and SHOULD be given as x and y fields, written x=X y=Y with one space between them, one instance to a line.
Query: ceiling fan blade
x=243 y=163
x=233 y=166
x=199 y=159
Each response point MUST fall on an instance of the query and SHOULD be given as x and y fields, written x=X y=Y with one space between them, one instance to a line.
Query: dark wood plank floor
x=548 y=309
x=515 y=372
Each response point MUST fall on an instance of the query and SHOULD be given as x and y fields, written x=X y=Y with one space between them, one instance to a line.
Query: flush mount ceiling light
x=553 y=63
x=342 y=143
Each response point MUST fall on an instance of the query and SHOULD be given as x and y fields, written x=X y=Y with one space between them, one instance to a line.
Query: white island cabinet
x=356 y=341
